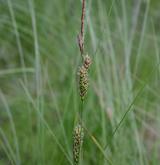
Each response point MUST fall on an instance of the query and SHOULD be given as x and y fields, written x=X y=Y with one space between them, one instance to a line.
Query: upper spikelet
x=83 y=81
x=78 y=135
x=83 y=77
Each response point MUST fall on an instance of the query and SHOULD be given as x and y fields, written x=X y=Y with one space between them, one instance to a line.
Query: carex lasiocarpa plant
x=83 y=83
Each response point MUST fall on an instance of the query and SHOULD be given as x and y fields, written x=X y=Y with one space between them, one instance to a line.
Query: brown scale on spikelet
x=87 y=61
x=78 y=135
x=83 y=77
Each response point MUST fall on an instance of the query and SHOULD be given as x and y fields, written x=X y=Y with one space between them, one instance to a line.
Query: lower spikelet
x=78 y=135
x=83 y=81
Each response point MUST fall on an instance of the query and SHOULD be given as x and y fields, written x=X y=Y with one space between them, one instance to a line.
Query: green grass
x=39 y=101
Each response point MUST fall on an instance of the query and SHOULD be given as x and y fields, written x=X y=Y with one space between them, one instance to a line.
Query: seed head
x=83 y=81
x=78 y=135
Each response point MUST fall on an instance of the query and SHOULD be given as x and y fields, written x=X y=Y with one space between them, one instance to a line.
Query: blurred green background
x=39 y=100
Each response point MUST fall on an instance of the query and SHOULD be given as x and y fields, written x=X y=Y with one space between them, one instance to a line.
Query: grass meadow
x=39 y=98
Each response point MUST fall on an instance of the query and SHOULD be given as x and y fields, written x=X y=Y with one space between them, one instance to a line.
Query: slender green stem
x=81 y=110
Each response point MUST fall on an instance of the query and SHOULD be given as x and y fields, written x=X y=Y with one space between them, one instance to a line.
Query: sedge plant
x=83 y=83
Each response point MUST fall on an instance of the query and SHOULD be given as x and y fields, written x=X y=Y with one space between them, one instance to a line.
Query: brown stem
x=81 y=35
x=82 y=18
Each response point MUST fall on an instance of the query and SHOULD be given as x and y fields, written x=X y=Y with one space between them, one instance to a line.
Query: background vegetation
x=39 y=101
